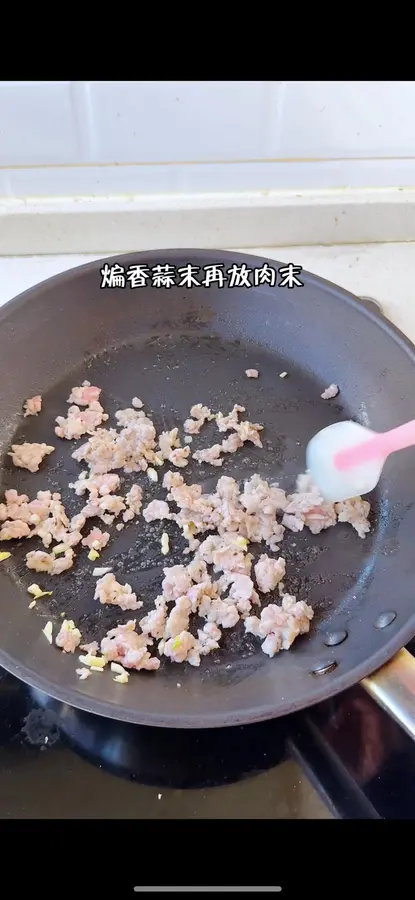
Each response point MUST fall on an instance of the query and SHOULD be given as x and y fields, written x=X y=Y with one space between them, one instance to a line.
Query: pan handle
x=393 y=688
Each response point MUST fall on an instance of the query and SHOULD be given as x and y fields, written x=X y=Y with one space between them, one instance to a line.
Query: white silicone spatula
x=346 y=460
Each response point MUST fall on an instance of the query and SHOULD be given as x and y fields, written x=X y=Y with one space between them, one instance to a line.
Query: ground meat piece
x=202 y=594
x=100 y=452
x=186 y=495
x=172 y=480
x=33 y=406
x=123 y=645
x=96 y=539
x=231 y=444
x=176 y=582
x=43 y=506
x=210 y=455
x=77 y=523
x=63 y=563
x=80 y=421
x=222 y=613
x=84 y=395
x=330 y=392
x=134 y=501
x=227 y=553
x=178 y=648
x=269 y=572
x=109 y=590
x=68 y=637
x=56 y=526
x=227 y=488
x=128 y=416
x=154 y=622
x=96 y=485
x=157 y=509
x=308 y=507
x=227 y=423
x=130 y=449
x=197 y=570
x=40 y=561
x=47 y=562
x=29 y=456
x=101 y=508
x=168 y=440
x=294 y=523
x=179 y=457
x=354 y=511
x=247 y=431
x=15 y=507
x=200 y=414
x=259 y=496
x=178 y=618
x=251 y=373
x=280 y=625
x=209 y=637
x=91 y=648
x=242 y=593
x=192 y=426
x=14 y=530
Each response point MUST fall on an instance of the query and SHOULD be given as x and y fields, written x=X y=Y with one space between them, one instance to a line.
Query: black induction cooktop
x=344 y=758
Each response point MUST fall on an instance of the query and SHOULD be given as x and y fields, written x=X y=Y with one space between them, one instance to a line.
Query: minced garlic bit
x=283 y=374
x=240 y=542
x=93 y=555
x=48 y=631
x=121 y=676
x=32 y=604
x=97 y=573
x=37 y=592
x=4 y=555
x=83 y=673
x=121 y=679
x=115 y=667
x=94 y=662
x=60 y=548
x=165 y=543
x=152 y=474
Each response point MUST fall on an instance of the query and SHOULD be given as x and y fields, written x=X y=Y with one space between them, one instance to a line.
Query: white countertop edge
x=240 y=219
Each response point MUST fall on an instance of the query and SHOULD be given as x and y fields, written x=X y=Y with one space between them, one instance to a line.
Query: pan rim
x=395 y=642
x=73 y=698
x=375 y=315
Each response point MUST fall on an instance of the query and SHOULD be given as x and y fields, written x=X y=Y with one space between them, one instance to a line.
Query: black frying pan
x=173 y=348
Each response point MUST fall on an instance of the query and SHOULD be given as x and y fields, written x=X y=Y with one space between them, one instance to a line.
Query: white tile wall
x=104 y=138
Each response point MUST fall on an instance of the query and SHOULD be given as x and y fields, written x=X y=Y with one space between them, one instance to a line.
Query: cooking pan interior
x=174 y=348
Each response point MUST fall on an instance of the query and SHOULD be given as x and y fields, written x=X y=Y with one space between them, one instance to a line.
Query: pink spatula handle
x=377 y=447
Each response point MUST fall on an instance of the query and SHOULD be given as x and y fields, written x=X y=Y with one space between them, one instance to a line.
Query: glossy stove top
x=344 y=758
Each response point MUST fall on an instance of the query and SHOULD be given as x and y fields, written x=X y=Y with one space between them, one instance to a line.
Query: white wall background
x=62 y=138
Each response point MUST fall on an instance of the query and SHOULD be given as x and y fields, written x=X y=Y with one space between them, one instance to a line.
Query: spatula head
x=338 y=485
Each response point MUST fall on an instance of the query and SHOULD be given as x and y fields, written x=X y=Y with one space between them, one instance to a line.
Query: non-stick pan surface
x=173 y=348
